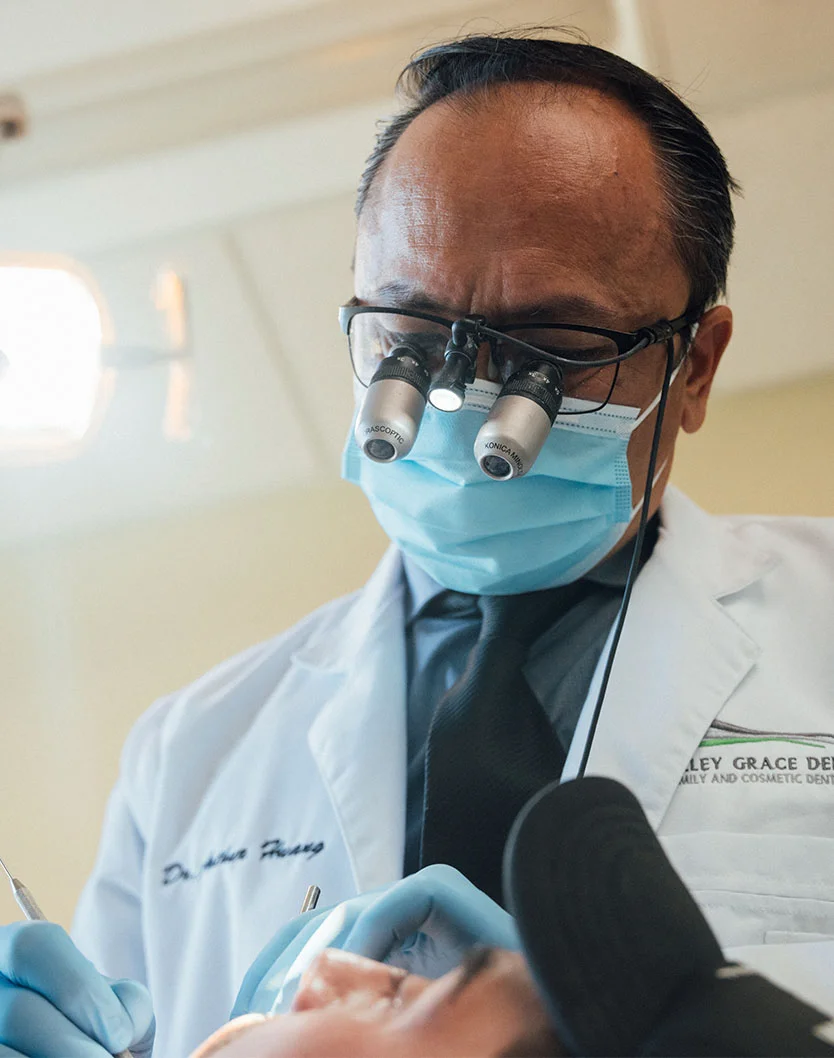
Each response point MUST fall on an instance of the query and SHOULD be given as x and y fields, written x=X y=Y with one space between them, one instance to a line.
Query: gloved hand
x=424 y=924
x=55 y=1004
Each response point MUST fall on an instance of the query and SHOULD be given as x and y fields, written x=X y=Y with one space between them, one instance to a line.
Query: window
x=52 y=385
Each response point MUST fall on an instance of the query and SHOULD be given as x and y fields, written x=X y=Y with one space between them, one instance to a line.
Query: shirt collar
x=420 y=588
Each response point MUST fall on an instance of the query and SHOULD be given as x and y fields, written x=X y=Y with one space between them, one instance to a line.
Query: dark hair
x=696 y=180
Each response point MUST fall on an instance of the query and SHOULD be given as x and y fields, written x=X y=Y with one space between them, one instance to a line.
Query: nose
x=485 y=367
x=338 y=977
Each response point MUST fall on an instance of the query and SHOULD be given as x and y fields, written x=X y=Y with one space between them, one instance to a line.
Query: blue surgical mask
x=485 y=537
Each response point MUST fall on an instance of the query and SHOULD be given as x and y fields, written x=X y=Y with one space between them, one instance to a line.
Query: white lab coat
x=285 y=766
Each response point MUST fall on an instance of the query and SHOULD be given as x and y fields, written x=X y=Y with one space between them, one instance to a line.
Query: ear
x=714 y=330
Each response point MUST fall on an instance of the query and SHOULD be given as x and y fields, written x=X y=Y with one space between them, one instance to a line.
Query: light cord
x=635 y=558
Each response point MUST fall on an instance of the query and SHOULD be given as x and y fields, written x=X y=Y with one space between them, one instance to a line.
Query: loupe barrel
x=389 y=419
x=519 y=422
x=510 y=440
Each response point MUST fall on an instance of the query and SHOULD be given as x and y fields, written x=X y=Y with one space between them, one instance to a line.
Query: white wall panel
x=299 y=264
x=198 y=185
x=248 y=433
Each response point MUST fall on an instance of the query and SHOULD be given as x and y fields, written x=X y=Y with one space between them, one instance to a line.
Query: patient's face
x=347 y=1005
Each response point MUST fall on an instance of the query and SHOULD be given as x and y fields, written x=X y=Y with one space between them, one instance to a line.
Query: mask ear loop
x=635 y=558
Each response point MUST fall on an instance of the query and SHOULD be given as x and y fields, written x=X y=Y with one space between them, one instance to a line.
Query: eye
x=396 y=996
x=374 y=335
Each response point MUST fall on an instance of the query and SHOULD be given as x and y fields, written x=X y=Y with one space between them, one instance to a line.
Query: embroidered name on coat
x=274 y=849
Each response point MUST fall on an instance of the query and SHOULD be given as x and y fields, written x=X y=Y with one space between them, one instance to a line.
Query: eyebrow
x=559 y=307
x=478 y=959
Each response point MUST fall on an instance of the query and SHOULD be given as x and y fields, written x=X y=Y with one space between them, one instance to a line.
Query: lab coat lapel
x=679 y=660
x=358 y=740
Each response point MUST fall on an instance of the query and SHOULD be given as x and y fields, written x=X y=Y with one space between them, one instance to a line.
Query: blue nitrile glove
x=423 y=924
x=55 y=1004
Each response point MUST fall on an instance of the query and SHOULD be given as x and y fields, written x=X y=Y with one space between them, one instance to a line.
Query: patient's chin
x=225 y=1035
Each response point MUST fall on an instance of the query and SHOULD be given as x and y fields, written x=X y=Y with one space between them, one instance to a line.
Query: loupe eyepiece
x=519 y=421
x=388 y=421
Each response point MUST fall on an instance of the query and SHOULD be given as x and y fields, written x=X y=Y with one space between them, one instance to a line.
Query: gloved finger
x=280 y=985
x=387 y=923
x=328 y=929
x=269 y=970
x=457 y=898
x=439 y=901
x=278 y=954
x=331 y=933
x=7 y=1052
x=31 y=1025
x=464 y=909
x=39 y=956
x=136 y=1000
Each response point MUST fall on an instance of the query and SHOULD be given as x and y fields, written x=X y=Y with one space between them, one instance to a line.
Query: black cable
x=635 y=558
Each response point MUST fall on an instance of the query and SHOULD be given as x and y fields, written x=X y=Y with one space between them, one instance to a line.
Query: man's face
x=347 y=1005
x=531 y=202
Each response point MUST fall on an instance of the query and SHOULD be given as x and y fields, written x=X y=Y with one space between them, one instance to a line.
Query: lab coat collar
x=336 y=644
x=706 y=549
x=358 y=740
x=680 y=657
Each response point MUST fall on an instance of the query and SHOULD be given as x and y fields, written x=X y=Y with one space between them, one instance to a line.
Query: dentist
x=544 y=230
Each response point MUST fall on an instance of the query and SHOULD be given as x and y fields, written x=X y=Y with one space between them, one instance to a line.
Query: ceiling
x=105 y=81
x=225 y=138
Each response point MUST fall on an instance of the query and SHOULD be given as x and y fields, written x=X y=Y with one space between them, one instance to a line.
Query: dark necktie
x=490 y=744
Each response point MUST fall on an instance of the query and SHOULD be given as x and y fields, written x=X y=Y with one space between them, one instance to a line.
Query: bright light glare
x=50 y=337
x=446 y=399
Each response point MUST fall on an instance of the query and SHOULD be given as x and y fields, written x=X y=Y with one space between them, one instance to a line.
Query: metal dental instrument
x=25 y=901
x=29 y=906
x=311 y=899
x=285 y=991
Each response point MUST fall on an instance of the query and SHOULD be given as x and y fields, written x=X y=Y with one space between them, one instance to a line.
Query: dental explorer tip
x=8 y=872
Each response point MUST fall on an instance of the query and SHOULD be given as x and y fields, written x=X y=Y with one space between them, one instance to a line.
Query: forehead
x=522 y=186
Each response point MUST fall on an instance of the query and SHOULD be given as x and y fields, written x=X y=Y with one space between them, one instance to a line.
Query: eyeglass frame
x=629 y=343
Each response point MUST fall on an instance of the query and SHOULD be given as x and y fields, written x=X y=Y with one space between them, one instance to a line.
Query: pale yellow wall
x=92 y=629
x=770 y=451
